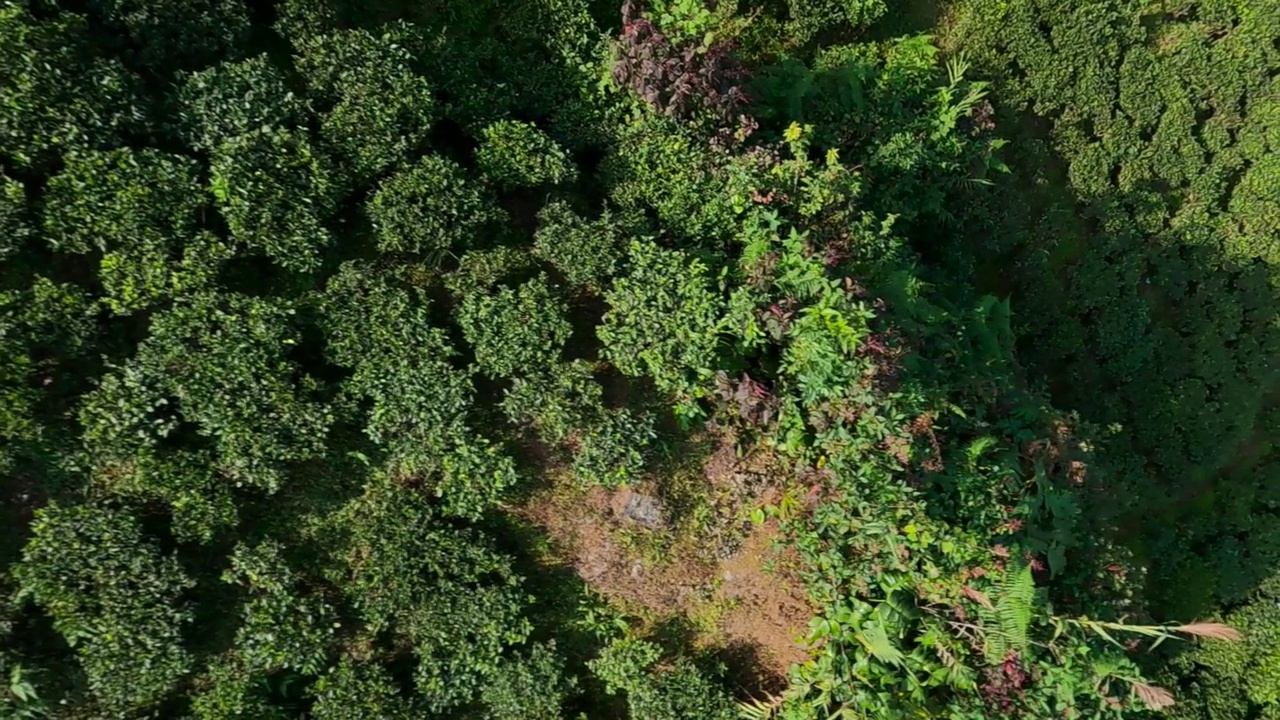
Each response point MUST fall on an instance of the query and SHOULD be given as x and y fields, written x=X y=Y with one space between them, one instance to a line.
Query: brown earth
x=725 y=577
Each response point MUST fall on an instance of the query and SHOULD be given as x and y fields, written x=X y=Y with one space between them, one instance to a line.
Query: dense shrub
x=141 y=210
x=530 y=686
x=611 y=450
x=514 y=154
x=429 y=208
x=515 y=329
x=557 y=400
x=307 y=329
x=115 y=595
x=223 y=101
x=670 y=693
x=275 y=194
x=1152 y=269
x=662 y=320
x=170 y=35
x=56 y=92
x=586 y=252
x=379 y=109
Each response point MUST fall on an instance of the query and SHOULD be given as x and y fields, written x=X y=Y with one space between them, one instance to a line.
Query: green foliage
x=586 y=252
x=674 y=691
x=141 y=210
x=557 y=400
x=256 y=474
x=611 y=450
x=515 y=154
x=56 y=92
x=430 y=208
x=234 y=98
x=222 y=360
x=379 y=110
x=114 y=596
x=179 y=34
x=355 y=690
x=107 y=199
x=447 y=591
x=663 y=320
x=283 y=629
x=381 y=329
x=15 y=224
x=809 y=18
x=198 y=496
x=886 y=110
x=1235 y=680
x=275 y=194
x=475 y=474
x=532 y=686
x=480 y=270
x=657 y=163
x=515 y=329
x=20 y=701
x=230 y=690
x=1143 y=235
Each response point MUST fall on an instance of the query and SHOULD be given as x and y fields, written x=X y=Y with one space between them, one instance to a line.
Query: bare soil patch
x=722 y=575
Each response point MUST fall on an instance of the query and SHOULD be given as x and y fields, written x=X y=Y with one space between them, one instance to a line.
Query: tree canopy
x=361 y=359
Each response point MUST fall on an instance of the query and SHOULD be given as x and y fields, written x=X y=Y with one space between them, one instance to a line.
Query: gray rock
x=645 y=510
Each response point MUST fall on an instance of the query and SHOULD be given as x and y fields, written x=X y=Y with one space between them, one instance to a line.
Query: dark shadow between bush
x=1179 y=419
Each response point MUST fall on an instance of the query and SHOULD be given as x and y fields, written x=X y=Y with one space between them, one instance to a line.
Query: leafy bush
x=446 y=590
x=235 y=98
x=379 y=109
x=275 y=194
x=1235 y=680
x=15 y=225
x=674 y=692
x=179 y=34
x=56 y=93
x=663 y=320
x=610 y=451
x=682 y=80
x=141 y=210
x=586 y=252
x=355 y=689
x=402 y=363
x=514 y=154
x=429 y=208
x=809 y=18
x=230 y=690
x=222 y=359
x=114 y=596
x=480 y=270
x=515 y=330
x=283 y=629
x=532 y=686
x=557 y=400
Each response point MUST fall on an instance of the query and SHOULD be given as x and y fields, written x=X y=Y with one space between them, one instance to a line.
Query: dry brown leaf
x=1217 y=631
x=977 y=597
x=1155 y=698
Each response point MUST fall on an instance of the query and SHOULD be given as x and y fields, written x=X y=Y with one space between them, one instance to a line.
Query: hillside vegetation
x=379 y=359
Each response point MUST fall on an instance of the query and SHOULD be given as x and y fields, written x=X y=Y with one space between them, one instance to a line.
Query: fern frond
x=1016 y=605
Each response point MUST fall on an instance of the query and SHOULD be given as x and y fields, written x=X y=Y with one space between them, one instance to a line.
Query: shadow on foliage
x=1164 y=348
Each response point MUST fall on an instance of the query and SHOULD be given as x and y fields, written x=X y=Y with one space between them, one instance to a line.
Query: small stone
x=645 y=510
